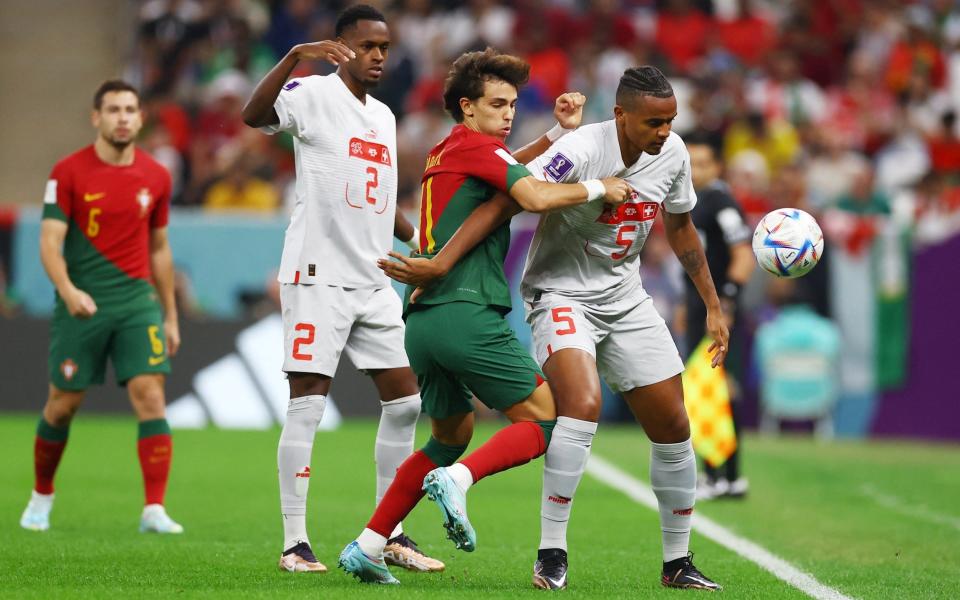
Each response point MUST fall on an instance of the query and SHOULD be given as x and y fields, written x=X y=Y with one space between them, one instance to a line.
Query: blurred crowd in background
x=844 y=108
x=840 y=107
x=817 y=103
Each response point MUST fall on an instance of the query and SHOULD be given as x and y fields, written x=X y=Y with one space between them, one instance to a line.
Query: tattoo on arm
x=691 y=261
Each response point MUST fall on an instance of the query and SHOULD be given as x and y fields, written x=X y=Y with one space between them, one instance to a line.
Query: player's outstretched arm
x=52 y=233
x=482 y=222
x=568 y=110
x=259 y=111
x=685 y=242
x=538 y=196
x=161 y=264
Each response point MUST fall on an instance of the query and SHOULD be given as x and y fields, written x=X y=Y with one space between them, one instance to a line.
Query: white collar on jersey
x=341 y=84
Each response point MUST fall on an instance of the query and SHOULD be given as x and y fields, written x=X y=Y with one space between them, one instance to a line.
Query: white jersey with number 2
x=590 y=252
x=346 y=186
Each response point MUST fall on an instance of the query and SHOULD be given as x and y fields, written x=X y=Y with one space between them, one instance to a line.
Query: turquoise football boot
x=366 y=569
x=442 y=489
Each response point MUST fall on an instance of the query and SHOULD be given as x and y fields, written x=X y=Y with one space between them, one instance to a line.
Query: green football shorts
x=461 y=347
x=132 y=338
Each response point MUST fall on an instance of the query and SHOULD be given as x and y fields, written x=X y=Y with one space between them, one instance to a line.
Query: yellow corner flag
x=707 y=399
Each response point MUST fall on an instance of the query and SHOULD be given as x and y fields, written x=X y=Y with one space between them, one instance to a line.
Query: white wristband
x=414 y=242
x=595 y=189
x=556 y=132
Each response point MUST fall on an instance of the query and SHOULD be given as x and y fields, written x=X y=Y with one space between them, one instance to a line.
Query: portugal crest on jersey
x=144 y=199
x=68 y=368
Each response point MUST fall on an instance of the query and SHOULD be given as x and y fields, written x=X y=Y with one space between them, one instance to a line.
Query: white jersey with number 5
x=346 y=183
x=590 y=252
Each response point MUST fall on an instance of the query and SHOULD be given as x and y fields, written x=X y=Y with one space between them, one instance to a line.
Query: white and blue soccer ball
x=788 y=242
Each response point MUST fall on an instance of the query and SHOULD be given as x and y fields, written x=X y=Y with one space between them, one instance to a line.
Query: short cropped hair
x=112 y=85
x=358 y=12
x=642 y=81
x=472 y=69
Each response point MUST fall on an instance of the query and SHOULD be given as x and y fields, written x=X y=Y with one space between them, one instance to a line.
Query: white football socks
x=398 y=425
x=563 y=468
x=372 y=543
x=461 y=476
x=293 y=465
x=673 y=476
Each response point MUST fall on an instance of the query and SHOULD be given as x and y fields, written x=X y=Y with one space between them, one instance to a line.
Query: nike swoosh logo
x=156 y=360
x=91 y=197
x=557 y=582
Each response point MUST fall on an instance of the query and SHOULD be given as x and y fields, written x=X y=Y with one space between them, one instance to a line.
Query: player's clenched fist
x=618 y=191
x=330 y=51
x=569 y=109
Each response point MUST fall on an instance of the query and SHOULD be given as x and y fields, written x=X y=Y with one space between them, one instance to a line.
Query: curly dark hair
x=643 y=81
x=472 y=69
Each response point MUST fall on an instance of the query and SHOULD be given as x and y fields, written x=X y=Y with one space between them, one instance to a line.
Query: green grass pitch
x=873 y=520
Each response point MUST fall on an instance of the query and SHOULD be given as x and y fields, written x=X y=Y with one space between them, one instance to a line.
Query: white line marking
x=919 y=511
x=641 y=493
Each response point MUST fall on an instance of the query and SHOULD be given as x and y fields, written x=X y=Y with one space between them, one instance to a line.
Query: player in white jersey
x=591 y=316
x=333 y=297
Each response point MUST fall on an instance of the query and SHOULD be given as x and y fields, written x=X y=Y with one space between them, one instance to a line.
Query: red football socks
x=510 y=447
x=402 y=495
x=47 y=450
x=155 y=448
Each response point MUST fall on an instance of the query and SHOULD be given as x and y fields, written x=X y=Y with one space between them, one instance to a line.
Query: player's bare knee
x=61 y=406
x=455 y=430
x=147 y=397
x=583 y=406
x=308 y=384
x=453 y=437
x=394 y=383
x=676 y=429
x=59 y=414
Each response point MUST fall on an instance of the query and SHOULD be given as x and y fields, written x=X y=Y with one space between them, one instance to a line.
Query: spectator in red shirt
x=535 y=16
x=549 y=68
x=604 y=21
x=748 y=37
x=681 y=33
x=163 y=111
x=944 y=147
x=916 y=53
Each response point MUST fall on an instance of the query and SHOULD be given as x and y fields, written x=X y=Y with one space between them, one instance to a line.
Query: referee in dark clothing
x=726 y=239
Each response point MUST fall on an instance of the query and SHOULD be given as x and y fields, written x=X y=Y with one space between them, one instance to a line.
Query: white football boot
x=36 y=516
x=155 y=520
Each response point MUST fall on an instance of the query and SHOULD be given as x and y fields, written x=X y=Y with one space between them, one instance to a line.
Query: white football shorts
x=321 y=321
x=628 y=338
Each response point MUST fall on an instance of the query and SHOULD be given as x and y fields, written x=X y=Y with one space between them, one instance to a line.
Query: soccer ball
x=788 y=242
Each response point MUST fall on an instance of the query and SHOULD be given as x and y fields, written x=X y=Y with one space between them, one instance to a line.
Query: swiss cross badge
x=68 y=368
x=144 y=198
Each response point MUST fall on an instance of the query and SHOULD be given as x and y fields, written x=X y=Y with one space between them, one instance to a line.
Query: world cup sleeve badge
x=144 y=199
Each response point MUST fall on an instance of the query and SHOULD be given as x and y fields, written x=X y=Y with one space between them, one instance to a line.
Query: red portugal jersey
x=110 y=211
x=463 y=171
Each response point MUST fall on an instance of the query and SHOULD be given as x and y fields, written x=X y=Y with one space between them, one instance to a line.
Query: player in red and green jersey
x=457 y=339
x=103 y=243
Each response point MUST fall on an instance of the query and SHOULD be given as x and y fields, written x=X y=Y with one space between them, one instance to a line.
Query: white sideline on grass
x=898 y=505
x=641 y=493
